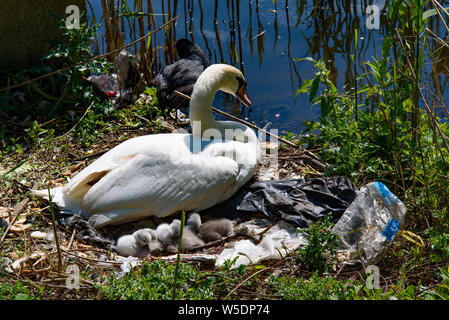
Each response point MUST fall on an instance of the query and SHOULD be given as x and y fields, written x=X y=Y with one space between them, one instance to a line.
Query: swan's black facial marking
x=241 y=92
x=241 y=82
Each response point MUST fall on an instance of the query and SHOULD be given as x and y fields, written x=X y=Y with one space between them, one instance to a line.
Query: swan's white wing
x=159 y=186
x=81 y=183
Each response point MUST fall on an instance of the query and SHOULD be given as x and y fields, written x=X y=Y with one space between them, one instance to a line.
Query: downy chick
x=194 y=222
x=215 y=229
x=155 y=246
x=190 y=238
x=135 y=244
x=170 y=234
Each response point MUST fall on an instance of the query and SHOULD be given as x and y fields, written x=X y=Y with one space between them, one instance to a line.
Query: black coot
x=180 y=75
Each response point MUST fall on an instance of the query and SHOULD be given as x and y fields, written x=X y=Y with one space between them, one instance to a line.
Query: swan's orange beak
x=243 y=98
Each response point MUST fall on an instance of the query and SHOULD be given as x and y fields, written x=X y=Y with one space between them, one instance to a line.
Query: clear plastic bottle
x=369 y=224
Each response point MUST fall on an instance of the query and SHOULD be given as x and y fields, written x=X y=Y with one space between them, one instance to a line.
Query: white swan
x=164 y=173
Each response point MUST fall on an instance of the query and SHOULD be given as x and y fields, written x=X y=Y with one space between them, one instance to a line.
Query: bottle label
x=388 y=196
x=391 y=229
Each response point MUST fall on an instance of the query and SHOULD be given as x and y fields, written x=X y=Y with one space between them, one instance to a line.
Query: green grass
x=18 y=291
x=155 y=281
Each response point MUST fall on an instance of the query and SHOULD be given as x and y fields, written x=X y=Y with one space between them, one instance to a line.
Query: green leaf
x=305 y=87
x=259 y=266
x=386 y=46
x=314 y=88
x=431 y=13
x=148 y=43
x=306 y=59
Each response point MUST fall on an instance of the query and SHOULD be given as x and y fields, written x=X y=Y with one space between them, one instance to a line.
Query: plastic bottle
x=369 y=225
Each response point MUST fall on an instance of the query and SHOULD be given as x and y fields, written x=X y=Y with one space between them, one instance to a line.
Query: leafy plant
x=155 y=281
x=321 y=248
x=18 y=291
x=74 y=50
x=442 y=290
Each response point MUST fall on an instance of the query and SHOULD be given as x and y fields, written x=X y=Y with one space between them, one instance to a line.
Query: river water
x=262 y=37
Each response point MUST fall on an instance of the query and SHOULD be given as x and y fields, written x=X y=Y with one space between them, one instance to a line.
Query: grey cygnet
x=168 y=235
x=155 y=246
x=215 y=229
x=194 y=222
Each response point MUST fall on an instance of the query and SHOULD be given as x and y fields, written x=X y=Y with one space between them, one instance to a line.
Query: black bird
x=180 y=75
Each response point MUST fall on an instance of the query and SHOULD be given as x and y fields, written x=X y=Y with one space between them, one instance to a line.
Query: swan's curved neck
x=201 y=116
x=203 y=95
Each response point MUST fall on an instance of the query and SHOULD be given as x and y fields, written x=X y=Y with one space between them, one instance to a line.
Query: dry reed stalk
x=104 y=5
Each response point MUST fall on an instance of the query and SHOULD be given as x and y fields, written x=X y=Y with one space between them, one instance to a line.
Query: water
x=262 y=38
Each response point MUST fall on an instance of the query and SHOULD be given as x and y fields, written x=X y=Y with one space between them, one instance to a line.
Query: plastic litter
x=299 y=201
x=39 y=235
x=129 y=77
x=127 y=265
x=87 y=233
x=6 y=265
x=278 y=241
x=370 y=223
x=104 y=82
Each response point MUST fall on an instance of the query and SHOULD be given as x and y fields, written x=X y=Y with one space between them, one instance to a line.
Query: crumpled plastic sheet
x=299 y=201
x=277 y=242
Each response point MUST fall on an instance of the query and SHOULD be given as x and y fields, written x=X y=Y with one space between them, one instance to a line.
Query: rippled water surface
x=262 y=38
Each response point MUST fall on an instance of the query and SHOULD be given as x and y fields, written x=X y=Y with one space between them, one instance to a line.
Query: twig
x=48 y=122
x=82 y=117
x=17 y=211
x=71 y=239
x=214 y=243
x=258 y=35
x=262 y=234
x=241 y=283
x=55 y=230
x=90 y=259
x=178 y=258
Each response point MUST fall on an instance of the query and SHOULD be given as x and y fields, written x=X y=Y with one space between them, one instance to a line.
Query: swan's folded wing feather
x=159 y=186
x=81 y=183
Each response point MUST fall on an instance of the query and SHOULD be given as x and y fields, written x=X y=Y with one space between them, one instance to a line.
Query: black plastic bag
x=300 y=201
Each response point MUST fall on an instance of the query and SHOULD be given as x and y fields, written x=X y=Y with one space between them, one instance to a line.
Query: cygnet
x=155 y=246
x=135 y=244
x=215 y=229
x=194 y=222
x=168 y=235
